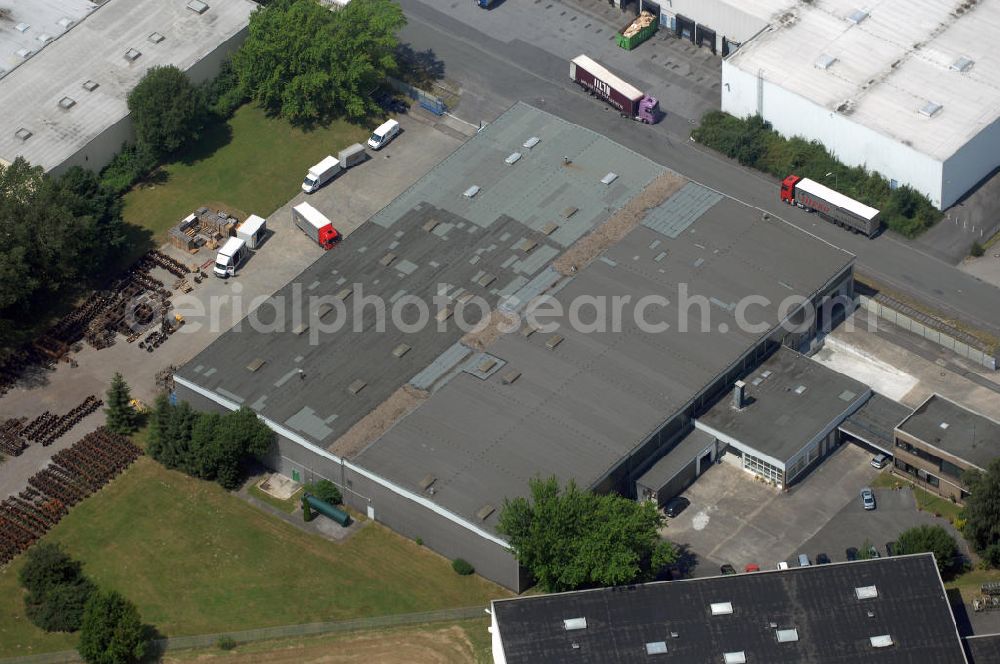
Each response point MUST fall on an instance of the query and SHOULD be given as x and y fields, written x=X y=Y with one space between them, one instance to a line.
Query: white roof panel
x=889 y=66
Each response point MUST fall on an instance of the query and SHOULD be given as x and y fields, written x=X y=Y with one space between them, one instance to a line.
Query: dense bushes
x=326 y=491
x=752 y=142
x=57 y=589
x=112 y=631
x=130 y=165
x=210 y=446
x=933 y=539
x=462 y=567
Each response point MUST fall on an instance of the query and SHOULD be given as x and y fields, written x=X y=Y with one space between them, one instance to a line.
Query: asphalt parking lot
x=737 y=520
x=348 y=201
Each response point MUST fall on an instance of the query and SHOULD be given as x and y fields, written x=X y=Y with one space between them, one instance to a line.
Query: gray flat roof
x=955 y=430
x=875 y=421
x=94 y=50
x=28 y=26
x=679 y=456
x=821 y=603
x=578 y=409
x=442 y=243
x=790 y=400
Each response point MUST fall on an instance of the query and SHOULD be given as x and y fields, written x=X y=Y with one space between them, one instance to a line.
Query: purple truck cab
x=649 y=110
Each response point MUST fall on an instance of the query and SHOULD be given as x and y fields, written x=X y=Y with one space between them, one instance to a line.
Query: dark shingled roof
x=819 y=602
x=983 y=649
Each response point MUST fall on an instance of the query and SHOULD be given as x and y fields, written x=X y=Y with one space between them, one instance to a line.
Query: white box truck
x=230 y=257
x=314 y=223
x=252 y=231
x=384 y=133
x=320 y=174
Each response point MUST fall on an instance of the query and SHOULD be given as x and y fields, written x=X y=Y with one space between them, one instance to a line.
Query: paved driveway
x=736 y=519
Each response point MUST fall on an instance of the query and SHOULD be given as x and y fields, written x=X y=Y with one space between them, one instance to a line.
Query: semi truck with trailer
x=628 y=99
x=314 y=223
x=832 y=205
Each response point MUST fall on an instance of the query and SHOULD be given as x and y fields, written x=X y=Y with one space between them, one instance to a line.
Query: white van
x=383 y=134
x=230 y=257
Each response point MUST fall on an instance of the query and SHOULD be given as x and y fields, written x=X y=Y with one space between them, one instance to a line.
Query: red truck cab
x=788 y=188
x=328 y=236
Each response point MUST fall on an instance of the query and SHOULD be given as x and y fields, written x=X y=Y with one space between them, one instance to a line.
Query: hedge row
x=754 y=143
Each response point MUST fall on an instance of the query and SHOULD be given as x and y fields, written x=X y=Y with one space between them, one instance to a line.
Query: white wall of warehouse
x=723 y=16
x=971 y=163
x=855 y=144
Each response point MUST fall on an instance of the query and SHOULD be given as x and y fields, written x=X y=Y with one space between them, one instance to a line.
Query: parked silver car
x=868 y=498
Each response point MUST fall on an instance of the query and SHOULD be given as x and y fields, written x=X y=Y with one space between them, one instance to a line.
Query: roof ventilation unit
x=255 y=365
x=930 y=109
x=512 y=158
x=881 y=641
x=155 y=37
x=401 y=350
x=824 y=61
x=471 y=191
x=531 y=142
x=962 y=64
x=66 y=23
x=738 y=657
x=23 y=134
x=722 y=608
x=45 y=38
x=132 y=54
x=609 y=178
x=944 y=425
x=427 y=482
x=484 y=513
x=22 y=27
x=571 y=624
x=24 y=53
x=67 y=102
x=197 y=6
x=800 y=389
x=356 y=386
x=866 y=592
x=90 y=86
x=857 y=16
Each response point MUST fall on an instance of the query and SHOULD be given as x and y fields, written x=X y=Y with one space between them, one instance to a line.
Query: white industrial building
x=67 y=67
x=907 y=88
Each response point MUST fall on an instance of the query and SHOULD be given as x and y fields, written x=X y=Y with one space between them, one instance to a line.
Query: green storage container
x=628 y=43
x=326 y=509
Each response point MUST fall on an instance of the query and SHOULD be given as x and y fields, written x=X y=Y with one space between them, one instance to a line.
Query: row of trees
x=209 y=446
x=982 y=512
x=57 y=232
x=60 y=598
x=569 y=539
x=753 y=142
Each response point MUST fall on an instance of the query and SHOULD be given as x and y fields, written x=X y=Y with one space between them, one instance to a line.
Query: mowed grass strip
x=251 y=164
x=197 y=560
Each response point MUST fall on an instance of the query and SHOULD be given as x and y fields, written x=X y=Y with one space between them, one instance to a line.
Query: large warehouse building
x=64 y=104
x=908 y=89
x=429 y=431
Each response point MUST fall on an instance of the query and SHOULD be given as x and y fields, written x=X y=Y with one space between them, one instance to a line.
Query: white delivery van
x=320 y=174
x=383 y=134
x=230 y=257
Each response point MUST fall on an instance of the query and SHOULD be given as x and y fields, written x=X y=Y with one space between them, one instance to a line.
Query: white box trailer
x=352 y=155
x=252 y=231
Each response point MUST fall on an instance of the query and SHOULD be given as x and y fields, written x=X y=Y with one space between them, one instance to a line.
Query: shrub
x=326 y=491
x=991 y=555
x=462 y=567
x=933 y=539
x=57 y=589
x=226 y=643
x=112 y=632
x=419 y=541
x=977 y=249
x=131 y=164
x=307 y=513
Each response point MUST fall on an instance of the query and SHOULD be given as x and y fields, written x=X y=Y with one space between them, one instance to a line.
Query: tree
x=326 y=491
x=571 y=539
x=170 y=433
x=57 y=589
x=120 y=414
x=308 y=64
x=112 y=631
x=933 y=539
x=982 y=507
x=167 y=110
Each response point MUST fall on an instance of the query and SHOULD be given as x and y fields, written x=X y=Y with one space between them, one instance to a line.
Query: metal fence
x=432 y=103
x=269 y=633
x=941 y=333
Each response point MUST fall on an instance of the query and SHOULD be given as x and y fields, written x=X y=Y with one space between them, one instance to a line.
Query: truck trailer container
x=252 y=231
x=637 y=31
x=628 y=99
x=352 y=155
x=320 y=174
x=313 y=223
x=832 y=205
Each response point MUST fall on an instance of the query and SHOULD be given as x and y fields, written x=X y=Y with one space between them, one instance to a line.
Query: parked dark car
x=852 y=553
x=676 y=506
x=890 y=549
x=727 y=569
x=822 y=559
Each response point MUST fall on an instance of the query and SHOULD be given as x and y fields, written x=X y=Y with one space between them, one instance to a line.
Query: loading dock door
x=705 y=37
x=685 y=28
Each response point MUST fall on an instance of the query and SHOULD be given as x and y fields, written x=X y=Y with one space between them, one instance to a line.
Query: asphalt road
x=485 y=53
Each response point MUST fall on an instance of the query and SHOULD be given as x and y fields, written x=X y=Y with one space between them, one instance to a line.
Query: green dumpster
x=637 y=31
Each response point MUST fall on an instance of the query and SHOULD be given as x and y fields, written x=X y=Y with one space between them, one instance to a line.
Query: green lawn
x=250 y=165
x=198 y=560
x=287 y=505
